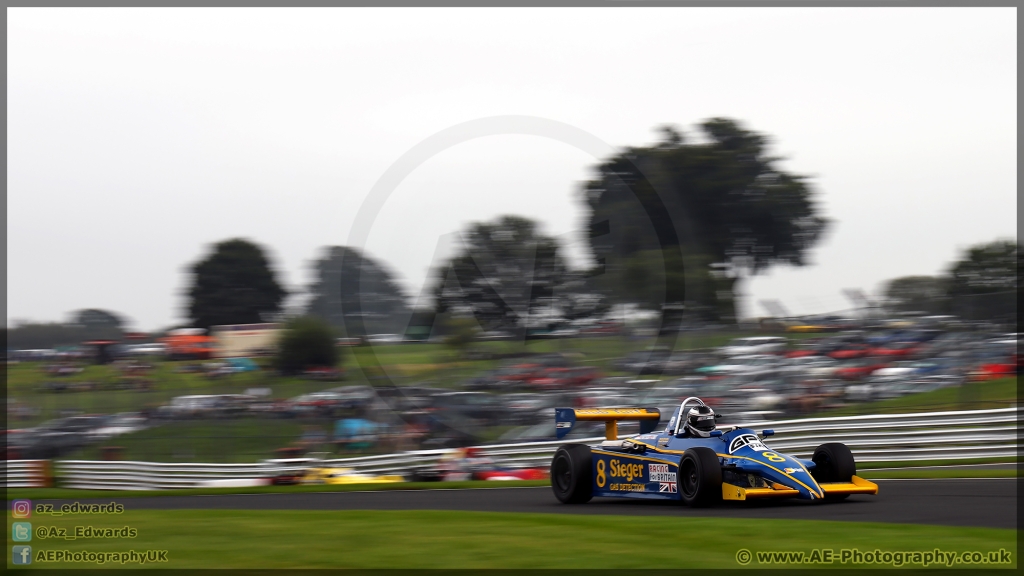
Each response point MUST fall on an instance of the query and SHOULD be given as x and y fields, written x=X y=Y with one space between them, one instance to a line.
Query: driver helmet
x=700 y=421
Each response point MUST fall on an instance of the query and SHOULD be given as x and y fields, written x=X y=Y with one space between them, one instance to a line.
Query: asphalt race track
x=951 y=502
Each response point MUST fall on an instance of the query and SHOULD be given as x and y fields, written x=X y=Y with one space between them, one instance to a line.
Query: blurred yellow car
x=346 y=476
x=805 y=328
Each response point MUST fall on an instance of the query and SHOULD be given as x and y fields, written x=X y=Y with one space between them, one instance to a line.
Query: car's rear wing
x=566 y=418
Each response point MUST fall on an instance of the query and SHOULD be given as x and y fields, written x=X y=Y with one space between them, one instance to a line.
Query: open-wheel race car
x=693 y=461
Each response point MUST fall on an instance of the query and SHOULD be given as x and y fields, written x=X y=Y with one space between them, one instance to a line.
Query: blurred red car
x=850 y=352
x=800 y=353
x=896 y=349
x=512 y=474
x=993 y=371
x=860 y=369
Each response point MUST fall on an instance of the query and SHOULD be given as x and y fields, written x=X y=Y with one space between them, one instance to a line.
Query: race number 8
x=600 y=474
x=773 y=457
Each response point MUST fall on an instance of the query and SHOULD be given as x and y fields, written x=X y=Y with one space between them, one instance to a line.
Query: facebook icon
x=21 y=555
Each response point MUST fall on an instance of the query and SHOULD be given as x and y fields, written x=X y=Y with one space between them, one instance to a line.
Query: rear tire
x=570 y=474
x=700 y=477
x=833 y=462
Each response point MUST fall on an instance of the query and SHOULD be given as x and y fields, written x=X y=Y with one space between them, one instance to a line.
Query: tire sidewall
x=578 y=459
x=833 y=462
x=707 y=467
x=562 y=455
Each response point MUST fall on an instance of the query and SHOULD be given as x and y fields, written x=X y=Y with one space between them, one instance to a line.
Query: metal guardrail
x=26 y=473
x=875 y=438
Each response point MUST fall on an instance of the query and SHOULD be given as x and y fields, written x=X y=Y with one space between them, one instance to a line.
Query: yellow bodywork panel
x=611 y=416
x=732 y=492
x=856 y=485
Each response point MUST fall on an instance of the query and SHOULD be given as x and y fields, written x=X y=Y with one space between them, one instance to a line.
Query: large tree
x=986 y=269
x=917 y=294
x=721 y=204
x=235 y=284
x=94 y=318
x=505 y=274
x=356 y=295
x=983 y=283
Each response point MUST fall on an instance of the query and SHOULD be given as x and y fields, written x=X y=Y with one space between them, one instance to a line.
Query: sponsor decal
x=660 y=473
x=626 y=470
x=647 y=437
x=667 y=487
x=791 y=470
x=748 y=440
x=663 y=442
x=563 y=424
x=627 y=487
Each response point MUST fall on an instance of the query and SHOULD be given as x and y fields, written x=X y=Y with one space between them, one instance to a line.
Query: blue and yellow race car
x=693 y=461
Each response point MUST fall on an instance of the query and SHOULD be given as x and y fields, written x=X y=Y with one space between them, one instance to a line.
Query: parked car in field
x=850 y=351
x=735 y=365
x=754 y=345
x=900 y=349
x=808 y=367
x=644 y=361
x=859 y=369
x=190 y=406
x=907 y=369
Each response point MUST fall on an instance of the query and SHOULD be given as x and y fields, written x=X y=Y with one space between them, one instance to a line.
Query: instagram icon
x=21 y=508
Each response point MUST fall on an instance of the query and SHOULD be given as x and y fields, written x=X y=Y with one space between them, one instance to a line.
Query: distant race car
x=346 y=476
x=693 y=461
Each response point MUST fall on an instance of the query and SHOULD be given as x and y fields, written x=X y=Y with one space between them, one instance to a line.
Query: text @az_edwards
x=83 y=532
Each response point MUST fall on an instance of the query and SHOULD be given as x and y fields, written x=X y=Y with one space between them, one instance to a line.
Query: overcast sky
x=138 y=137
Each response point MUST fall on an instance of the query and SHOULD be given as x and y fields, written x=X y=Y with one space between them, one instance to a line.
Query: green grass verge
x=24 y=382
x=450 y=540
x=940 y=473
x=1001 y=393
x=228 y=440
x=938 y=462
x=71 y=493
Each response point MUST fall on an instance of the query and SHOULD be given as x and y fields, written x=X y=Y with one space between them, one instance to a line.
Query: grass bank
x=451 y=540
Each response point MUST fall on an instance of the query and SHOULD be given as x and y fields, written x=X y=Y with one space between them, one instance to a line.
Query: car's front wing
x=857 y=485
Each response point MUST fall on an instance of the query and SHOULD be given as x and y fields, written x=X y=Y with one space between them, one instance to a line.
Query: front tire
x=833 y=462
x=570 y=474
x=700 y=477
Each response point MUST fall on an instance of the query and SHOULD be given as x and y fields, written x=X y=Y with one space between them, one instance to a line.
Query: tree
x=28 y=335
x=307 y=343
x=96 y=318
x=917 y=294
x=233 y=285
x=505 y=273
x=723 y=201
x=82 y=326
x=986 y=269
x=983 y=283
x=351 y=286
x=461 y=332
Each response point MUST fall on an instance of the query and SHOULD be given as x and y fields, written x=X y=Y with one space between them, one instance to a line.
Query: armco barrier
x=876 y=438
x=27 y=473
